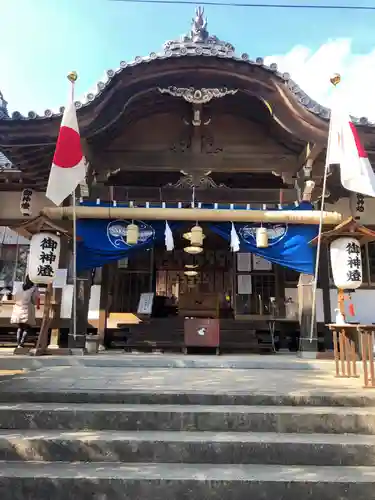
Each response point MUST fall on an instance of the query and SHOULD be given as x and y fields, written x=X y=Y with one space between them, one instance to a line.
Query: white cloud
x=312 y=70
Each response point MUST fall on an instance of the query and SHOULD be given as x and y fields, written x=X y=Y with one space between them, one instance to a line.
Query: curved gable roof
x=197 y=43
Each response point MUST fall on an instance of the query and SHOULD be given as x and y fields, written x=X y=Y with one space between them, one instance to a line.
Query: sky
x=42 y=40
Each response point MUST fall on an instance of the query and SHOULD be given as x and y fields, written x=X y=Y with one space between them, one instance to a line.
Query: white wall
x=67 y=301
x=10 y=205
x=363 y=301
x=293 y=293
x=364 y=306
x=367 y=217
x=94 y=304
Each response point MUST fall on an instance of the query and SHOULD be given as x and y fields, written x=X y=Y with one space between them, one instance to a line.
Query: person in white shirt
x=23 y=314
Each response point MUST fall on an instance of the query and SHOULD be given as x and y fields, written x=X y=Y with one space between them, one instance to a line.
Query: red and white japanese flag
x=345 y=149
x=69 y=165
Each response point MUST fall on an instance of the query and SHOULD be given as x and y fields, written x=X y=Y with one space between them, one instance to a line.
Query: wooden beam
x=17 y=186
x=307 y=176
x=307 y=190
x=310 y=153
x=221 y=162
x=212 y=195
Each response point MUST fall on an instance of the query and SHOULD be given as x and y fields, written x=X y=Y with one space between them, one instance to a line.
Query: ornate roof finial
x=199 y=31
x=198 y=40
x=3 y=107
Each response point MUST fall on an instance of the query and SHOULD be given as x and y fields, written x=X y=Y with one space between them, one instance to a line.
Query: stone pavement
x=281 y=377
x=121 y=427
x=280 y=380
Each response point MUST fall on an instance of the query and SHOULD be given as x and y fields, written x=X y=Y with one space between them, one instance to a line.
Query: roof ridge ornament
x=199 y=31
x=198 y=40
x=3 y=107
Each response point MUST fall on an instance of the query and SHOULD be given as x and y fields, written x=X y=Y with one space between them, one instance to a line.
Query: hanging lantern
x=262 y=237
x=132 y=234
x=196 y=236
x=25 y=202
x=190 y=273
x=187 y=236
x=193 y=250
x=44 y=256
x=346 y=263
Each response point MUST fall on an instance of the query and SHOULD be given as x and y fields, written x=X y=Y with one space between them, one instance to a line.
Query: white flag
x=69 y=166
x=345 y=149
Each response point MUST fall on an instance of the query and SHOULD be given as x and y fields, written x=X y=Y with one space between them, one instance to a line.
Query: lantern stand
x=52 y=298
x=346 y=341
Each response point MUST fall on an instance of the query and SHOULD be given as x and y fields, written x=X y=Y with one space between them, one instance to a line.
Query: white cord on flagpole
x=72 y=77
x=74 y=267
x=315 y=282
x=335 y=80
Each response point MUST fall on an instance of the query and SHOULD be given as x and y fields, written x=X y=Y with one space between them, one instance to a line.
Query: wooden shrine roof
x=149 y=85
x=349 y=227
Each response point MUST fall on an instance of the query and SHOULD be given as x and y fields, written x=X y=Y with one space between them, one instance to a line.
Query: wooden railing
x=350 y=343
x=366 y=333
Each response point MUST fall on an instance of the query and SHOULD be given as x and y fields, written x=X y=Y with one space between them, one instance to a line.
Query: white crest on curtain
x=169 y=242
x=234 y=240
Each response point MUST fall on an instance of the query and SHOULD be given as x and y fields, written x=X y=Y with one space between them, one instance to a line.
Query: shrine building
x=219 y=137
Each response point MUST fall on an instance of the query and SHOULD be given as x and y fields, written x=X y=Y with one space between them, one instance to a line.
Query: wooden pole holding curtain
x=194 y=214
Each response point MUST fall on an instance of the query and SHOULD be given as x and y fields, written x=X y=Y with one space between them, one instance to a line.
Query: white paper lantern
x=346 y=263
x=132 y=234
x=262 y=237
x=44 y=257
x=196 y=239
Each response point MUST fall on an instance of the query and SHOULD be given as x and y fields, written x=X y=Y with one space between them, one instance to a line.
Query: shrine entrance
x=216 y=282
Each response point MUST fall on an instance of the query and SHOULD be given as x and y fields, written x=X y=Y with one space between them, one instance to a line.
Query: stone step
x=214 y=418
x=184 y=398
x=115 y=481
x=188 y=447
x=175 y=361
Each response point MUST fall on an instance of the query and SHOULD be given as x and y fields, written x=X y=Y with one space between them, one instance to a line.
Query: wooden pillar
x=54 y=344
x=325 y=286
x=82 y=293
x=83 y=287
x=305 y=303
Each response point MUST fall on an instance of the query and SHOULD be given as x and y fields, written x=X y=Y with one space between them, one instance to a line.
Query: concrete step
x=183 y=398
x=115 y=481
x=176 y=361
x=214 y=418
x=188 y=447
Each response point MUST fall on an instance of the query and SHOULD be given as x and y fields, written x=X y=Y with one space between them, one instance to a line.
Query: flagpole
x=335 y=80
x=72 y=77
